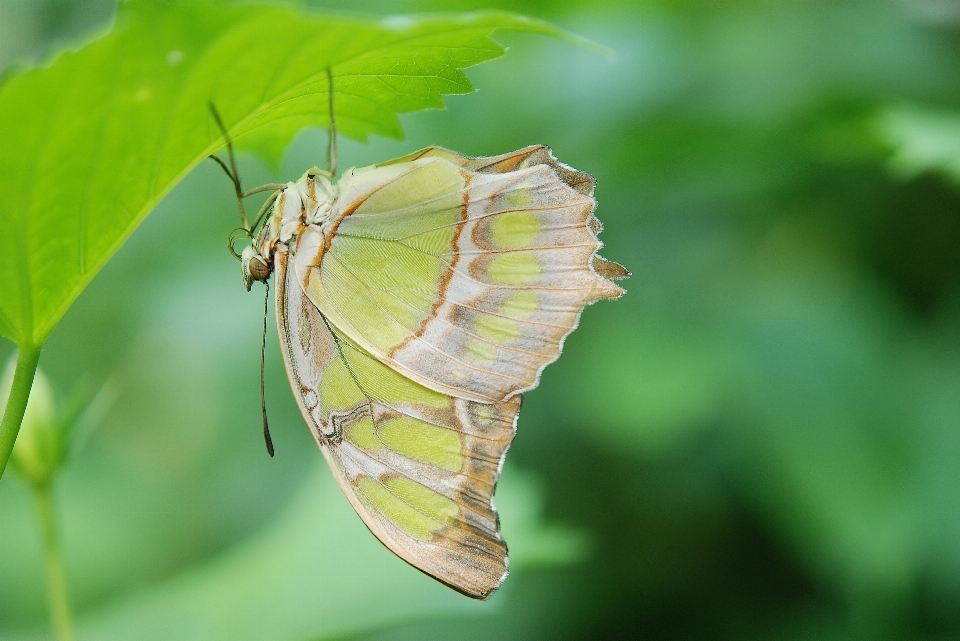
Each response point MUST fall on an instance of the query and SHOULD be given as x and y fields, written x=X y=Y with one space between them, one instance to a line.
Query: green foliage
x=760 y=441
x=92 y=142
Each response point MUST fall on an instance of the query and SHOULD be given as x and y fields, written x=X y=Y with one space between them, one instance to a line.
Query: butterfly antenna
x=232 y=170
x=263 y=353
x=332 y=156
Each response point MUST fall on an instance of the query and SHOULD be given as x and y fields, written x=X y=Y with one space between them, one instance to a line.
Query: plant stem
x=27 y=358
x=57 y=591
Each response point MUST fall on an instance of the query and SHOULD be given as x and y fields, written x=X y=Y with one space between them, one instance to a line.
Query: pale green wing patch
x=464 y=274
x=420 y=467
x=374 y=280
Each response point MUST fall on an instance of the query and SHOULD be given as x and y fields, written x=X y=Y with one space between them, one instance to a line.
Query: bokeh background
x=761 y=440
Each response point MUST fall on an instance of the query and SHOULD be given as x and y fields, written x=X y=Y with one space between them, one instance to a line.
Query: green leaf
x=91 y=143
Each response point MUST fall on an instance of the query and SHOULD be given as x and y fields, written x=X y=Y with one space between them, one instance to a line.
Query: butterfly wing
x=464 y=274
x=418 y=466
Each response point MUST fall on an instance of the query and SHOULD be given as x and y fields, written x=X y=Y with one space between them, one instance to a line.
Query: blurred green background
x=762 y=440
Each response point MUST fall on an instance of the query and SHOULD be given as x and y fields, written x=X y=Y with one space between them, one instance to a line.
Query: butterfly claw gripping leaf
x=416 y=300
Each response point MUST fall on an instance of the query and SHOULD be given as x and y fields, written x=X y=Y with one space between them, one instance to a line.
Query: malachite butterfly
x=416 y=300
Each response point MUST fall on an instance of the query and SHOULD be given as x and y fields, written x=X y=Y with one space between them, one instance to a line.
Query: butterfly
x=416 y=300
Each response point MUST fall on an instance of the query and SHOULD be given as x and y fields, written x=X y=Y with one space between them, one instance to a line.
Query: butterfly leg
x=232 y=170
x=234 y=176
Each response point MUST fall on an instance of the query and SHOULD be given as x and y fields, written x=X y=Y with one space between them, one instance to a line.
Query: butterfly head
x=254 y=266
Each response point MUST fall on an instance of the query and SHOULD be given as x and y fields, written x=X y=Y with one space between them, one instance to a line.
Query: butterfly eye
x=259 y=270
x=253 y=267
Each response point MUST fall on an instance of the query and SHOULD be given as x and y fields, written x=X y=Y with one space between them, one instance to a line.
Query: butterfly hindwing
x=464 y=274
x=419 y=466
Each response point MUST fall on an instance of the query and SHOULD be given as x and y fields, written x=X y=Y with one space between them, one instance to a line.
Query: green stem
x=57 y=592
x=27 y=358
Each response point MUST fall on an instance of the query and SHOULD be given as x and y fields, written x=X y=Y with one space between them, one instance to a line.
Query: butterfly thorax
x=298 y=206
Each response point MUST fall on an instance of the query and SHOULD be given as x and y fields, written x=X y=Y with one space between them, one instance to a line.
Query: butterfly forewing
x=464 y=274
x=419 y=466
